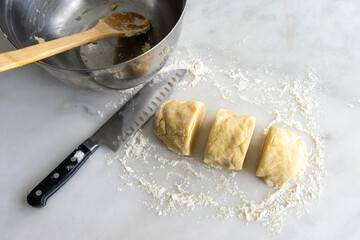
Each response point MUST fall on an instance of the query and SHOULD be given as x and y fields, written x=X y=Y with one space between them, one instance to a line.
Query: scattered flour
x=119 y=100
x=181 y=185
x=195 y=67
x=354 y=102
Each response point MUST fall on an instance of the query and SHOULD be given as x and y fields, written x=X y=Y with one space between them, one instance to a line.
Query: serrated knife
x=113 y=134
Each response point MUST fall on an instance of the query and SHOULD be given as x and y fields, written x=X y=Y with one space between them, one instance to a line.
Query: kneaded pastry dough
x=229 y=140
x=283 y=156
x=177 y=123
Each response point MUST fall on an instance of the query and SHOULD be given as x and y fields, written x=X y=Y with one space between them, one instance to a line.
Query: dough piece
x=229 y=140
x=283 y=156
x=177 y=123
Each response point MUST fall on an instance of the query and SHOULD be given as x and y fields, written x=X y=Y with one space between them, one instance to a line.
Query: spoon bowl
x=123 y=24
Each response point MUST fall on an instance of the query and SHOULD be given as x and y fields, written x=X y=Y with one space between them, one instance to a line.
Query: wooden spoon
x=123 y=24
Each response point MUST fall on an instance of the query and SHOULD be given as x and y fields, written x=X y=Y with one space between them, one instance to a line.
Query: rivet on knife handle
x=61 y=174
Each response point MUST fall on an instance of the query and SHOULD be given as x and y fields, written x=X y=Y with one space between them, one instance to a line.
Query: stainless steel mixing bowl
x=112 y=63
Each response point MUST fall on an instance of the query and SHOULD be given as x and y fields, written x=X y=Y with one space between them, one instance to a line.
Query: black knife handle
x=61 y=174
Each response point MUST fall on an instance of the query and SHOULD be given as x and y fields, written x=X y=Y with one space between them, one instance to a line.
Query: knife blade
x=114 y=133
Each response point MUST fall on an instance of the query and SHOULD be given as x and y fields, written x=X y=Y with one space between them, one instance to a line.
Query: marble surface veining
x=42 y=120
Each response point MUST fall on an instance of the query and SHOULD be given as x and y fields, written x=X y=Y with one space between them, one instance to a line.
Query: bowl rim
x=184 y=7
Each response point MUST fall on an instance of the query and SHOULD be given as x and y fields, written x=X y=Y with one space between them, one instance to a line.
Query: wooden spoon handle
x=37 y=52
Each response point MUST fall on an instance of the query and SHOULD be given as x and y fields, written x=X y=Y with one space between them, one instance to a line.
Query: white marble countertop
x=42 y=120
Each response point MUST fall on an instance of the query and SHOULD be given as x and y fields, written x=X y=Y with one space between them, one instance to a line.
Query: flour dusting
x=180 y=185
x=354 y=102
